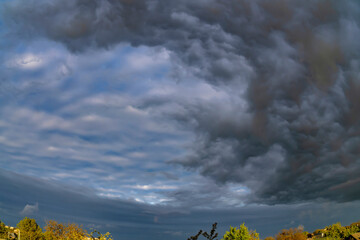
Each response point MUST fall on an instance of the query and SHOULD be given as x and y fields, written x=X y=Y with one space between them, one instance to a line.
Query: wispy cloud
x=30 y=209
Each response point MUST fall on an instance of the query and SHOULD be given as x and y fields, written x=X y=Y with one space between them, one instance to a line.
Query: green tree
x=3 y=231
x=335 y=231
x=356 y=224
x=241 y=233
x=348 y=230
x=29 y=229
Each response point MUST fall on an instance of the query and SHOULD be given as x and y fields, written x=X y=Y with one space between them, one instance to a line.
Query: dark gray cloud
x=290 y=130
x=128 y=220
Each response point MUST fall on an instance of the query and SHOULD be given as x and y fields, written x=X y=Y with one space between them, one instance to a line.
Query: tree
x=100 y=236
x=353 y=228
x=3 y=231
x=29 y=229
x=356 y=224
x=291 y=234
x=213 y=234
x=75 y=232
x=195 y=237
x=241 y=233
x=269 y=238
x=335 y=231
x=54 y=230
x=319 y=232
x=59 y=231
x=210 y=236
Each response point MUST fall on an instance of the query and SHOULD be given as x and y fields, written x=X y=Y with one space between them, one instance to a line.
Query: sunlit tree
x=97 y=235
x=335 y=231
x=291 y=234
x=54 y=230
x=3 y=231
x=59 y=231
x=269 y=238
x=241 y=233
x=74 y=232
x=29 y=229
x=353 y=228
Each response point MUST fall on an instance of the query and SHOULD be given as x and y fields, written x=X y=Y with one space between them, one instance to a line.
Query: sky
x=152 y=119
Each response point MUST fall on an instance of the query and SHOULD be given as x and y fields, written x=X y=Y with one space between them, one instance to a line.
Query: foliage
x=254 y=235
x=324 y=238
x=3 y=231
x=353 y=228
x=318 y=231
x=356 y=224
x=335 y=231
x=319 y=234
x=269 y=238
x=59 y=231
x=29 y=229
x=241 y=234
x=74 y=232
x=291 y=234
x=106 y=236
x=54 y=230
x=237 y=234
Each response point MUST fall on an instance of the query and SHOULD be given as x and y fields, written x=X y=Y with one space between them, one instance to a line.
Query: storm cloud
x=288 y=127
x=124 y=219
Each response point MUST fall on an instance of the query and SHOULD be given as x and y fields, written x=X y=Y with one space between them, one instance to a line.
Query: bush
x=241 y=233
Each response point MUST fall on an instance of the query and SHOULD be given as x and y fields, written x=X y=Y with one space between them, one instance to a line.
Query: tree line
x=28 y=229
x=333 y=232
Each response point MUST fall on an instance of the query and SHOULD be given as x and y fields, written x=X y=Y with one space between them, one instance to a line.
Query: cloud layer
x=287 y=126
x=127 y=219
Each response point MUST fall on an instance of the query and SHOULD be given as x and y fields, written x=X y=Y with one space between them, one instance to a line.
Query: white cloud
x=135 y=111
x=153 y=187
x=30 y=209
x=27 y=61
x=147 y=58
